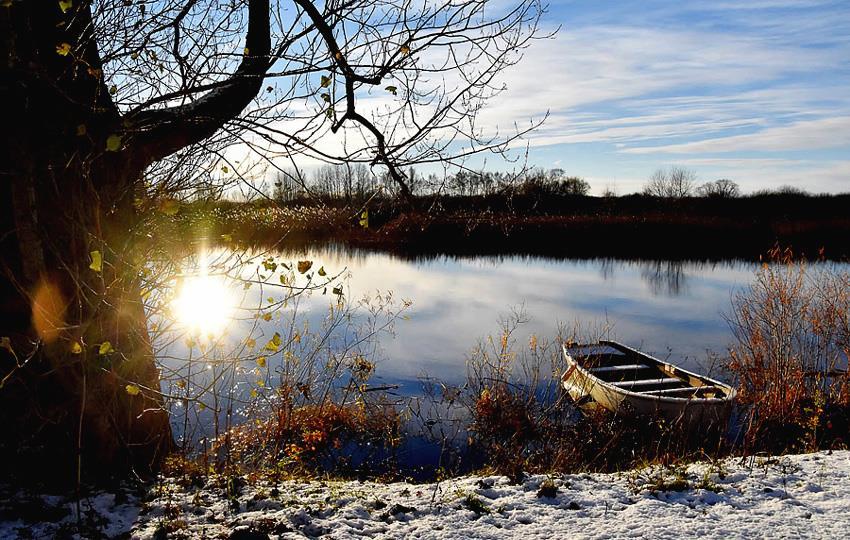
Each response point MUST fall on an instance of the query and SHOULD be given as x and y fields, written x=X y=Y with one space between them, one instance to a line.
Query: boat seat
x=626 y=367
x=603 y=360
x=691 y=389
x=646 y=382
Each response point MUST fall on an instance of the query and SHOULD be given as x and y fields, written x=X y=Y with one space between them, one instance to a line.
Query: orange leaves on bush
x=792 y=335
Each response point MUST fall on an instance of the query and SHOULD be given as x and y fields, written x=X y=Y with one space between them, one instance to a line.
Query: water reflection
x=672 y=309
x=665 y=277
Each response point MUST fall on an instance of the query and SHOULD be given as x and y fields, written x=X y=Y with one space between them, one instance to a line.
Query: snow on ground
x=805 y=496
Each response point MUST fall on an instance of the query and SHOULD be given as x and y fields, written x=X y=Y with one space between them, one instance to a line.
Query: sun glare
x=203 y=305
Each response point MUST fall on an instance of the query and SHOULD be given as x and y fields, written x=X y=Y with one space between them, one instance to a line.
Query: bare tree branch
x=161 y=132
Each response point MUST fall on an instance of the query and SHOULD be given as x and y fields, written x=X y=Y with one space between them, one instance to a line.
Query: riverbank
x=635 y=226
x=795 y=496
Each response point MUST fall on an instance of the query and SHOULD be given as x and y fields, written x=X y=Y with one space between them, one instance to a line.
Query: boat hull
x=583 y=386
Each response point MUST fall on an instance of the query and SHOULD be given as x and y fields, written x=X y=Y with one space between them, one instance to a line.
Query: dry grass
x=304 y=440
x=792 y=338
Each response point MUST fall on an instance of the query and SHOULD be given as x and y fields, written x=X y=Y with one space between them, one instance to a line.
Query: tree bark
x=66 y=190
x=64 y=195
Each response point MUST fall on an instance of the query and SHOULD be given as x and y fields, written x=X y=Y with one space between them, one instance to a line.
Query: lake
x=673 y=309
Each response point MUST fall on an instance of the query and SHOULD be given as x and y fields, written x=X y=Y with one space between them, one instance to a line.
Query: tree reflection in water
x=665 y=277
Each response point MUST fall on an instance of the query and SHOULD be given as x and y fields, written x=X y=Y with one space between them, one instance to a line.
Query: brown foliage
x=792 y=338
x=312 y=437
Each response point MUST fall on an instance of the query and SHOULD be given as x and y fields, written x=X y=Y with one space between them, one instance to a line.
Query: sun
x=203 y=305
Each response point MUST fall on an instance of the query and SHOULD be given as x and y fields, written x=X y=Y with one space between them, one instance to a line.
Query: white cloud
x=596 y=67
x=823 y=133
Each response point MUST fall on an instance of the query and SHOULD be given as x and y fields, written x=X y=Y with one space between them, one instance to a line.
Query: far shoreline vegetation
x=540 y=213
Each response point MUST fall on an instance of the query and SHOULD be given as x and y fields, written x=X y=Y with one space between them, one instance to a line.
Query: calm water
x=674 y=310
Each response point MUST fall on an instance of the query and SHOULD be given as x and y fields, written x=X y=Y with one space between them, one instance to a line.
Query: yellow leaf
x=113 y=89
x=364 y=219
x=322 y=271
x=405 y=50
x=96 y=261
x=261 y=383
x=201 y=406
x=113 y=142
x=76 y=348
x=65 y=5
x=132 y=389
x=254 y=393
x=105 y=348
x=267 y=316
x=274 y=342
x=62 y=49
x=225 y=169
x=247 y=51
x=338 y=55
x=250 y=343
x=261 y=361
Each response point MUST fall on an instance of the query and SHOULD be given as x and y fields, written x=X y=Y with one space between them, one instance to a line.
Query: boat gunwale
x=675 y=400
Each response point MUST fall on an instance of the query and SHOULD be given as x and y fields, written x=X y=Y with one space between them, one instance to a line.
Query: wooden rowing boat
x=627 y=381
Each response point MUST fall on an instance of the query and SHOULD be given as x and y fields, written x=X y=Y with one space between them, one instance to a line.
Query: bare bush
x=792 y=339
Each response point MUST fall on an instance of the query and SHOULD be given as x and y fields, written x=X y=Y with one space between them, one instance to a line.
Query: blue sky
x=755 y=91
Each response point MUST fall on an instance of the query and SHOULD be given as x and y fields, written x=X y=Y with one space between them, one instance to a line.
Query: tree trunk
x=67 y=190
x=79 y=388
x=78 y=333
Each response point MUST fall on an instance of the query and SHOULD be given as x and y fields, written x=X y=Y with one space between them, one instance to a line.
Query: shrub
x=784 y=190
x=314 y=438
x=792 y=339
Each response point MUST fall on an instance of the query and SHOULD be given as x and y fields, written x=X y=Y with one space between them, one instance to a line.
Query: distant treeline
x=357 y=182
x=545 y=213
